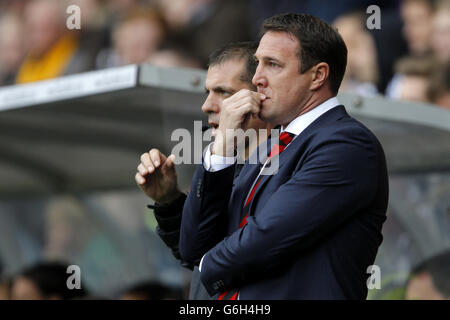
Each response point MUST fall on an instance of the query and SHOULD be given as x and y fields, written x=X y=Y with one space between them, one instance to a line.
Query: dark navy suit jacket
x=313 y=228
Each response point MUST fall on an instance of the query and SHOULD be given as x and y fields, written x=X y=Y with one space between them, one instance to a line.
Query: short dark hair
x=319 y=42
x=239 y=51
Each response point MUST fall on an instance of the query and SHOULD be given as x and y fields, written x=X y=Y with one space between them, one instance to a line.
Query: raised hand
x=235 y=114
x=157 y=176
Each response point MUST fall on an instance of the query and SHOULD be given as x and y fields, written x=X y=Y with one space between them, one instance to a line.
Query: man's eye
x=226 y=93
x=273 y=65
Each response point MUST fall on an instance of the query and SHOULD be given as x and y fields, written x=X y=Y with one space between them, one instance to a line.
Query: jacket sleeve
x=203 y=222
x=337 y=179
x=169 y=224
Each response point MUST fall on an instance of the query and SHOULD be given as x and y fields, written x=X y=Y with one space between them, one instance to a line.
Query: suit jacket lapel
x=241 y=185
x=328 y=117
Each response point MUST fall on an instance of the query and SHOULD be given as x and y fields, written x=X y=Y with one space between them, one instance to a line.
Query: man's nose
x=259 y=78
x=210 y=105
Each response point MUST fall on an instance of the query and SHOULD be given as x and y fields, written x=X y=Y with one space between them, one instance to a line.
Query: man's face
x=414 y=88
x=440 y=37
x=137 y=40
x=417 y=25
x=222 y=81
x=278 y=77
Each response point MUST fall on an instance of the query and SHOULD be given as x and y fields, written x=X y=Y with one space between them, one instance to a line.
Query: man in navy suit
x=312 y=229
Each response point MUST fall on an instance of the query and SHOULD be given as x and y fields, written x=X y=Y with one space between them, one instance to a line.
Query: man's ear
x=319 y=75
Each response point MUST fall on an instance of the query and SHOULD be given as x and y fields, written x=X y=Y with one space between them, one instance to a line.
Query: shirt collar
x=300 y=123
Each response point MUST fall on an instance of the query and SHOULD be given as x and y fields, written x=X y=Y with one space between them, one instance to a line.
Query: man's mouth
x=214 y=127
x=264 y=101
x=266 y=98
x=264 y=93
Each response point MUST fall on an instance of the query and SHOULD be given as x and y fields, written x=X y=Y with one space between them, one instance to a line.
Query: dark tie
x=285 y=139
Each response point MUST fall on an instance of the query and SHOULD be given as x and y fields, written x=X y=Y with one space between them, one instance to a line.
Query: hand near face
x=157 y=176
x=236 y=112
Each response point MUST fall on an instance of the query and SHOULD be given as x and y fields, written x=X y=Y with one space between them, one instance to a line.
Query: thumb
x=169 y=164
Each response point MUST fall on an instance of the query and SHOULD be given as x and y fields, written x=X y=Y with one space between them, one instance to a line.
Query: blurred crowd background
x=111 y=235
x=406 y=59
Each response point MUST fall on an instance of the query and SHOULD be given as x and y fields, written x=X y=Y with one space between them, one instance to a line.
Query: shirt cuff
x=214 y=162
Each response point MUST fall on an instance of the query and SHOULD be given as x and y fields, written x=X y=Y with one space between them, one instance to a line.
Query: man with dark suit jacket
x=231 y=69
x=311 y=230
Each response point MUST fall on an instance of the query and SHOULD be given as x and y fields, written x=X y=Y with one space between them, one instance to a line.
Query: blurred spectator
x=173 y=58
x=13 y=6
x=327 y=10
x=361 y=74
x=150 y=291
x=95 y=31
x=68 y=232
x=136 y=37
x=439 y=86
x=5 y=289
x=12 y=48
x=116 y=9
x=427 y=31
x=430 y=280
x=5 y=285
x=53 y=50
x=417 y=17
x=390 y=45
x=202 y=26
x=93 y=13
x=120 y=6
x=44 y=281
x=412 y=78
x=440 y=37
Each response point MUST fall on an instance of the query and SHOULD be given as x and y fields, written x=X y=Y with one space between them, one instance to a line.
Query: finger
x=249 y=93
x=241 y=94
x=142 y=170
x=170 y=162
x=249 y=108
x=147 y=162
x=255 y=108
x=258 y=96
x=140 y=180
x=157 y=157
x=169 y=165
x=241 y=106
x=251 y=97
